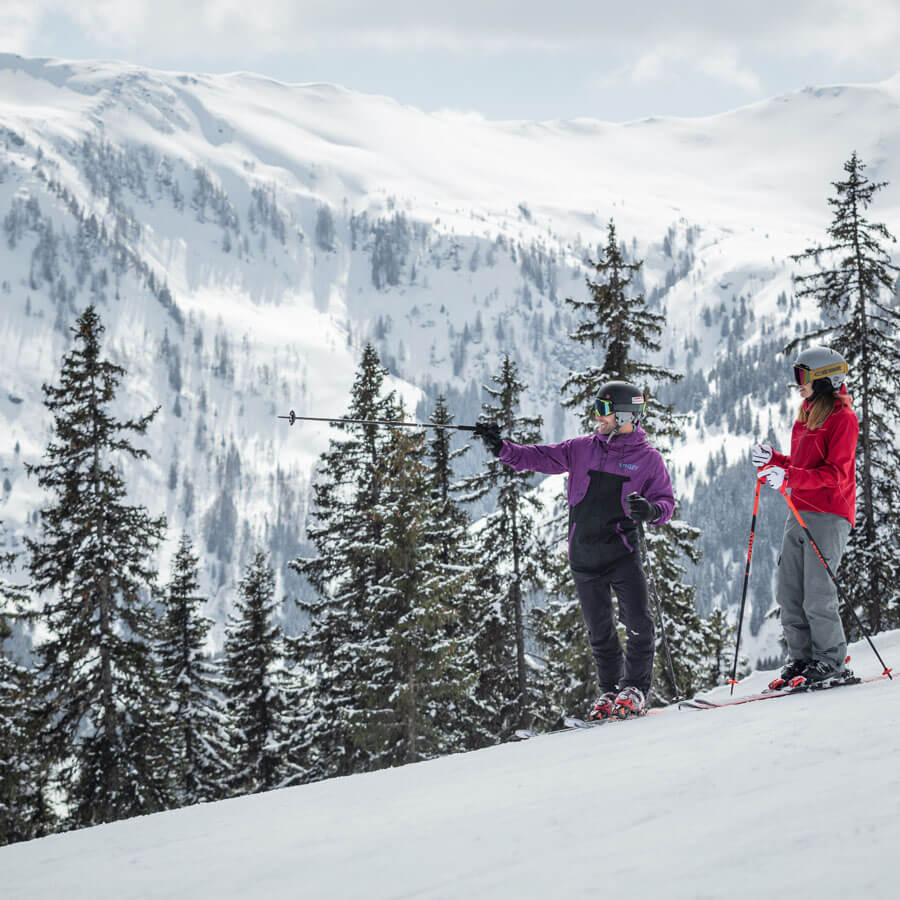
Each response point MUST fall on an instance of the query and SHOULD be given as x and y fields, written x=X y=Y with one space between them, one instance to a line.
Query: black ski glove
x=489 y=432
x=642 y=510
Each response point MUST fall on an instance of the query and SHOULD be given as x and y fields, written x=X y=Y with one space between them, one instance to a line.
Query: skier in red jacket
x=820 y=475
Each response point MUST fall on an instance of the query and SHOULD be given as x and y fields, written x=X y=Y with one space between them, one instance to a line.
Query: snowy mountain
x=243 y=238
x=794 y=797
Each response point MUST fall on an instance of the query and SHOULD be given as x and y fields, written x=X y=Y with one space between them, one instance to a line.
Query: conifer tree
x=24 y=810
x=720 y=641
x=854 y=288
x=570 y=673
x=511 y=563
x=254 y=683
x=198 y=742
x=413 y=668
x=350 y=561
x=455 y=552
x=100 y=695
x=618 y=325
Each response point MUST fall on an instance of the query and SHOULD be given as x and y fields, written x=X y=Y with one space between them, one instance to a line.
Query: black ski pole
x=662 y=622
x=293 y=417
x=834 y=580
x=737 y=643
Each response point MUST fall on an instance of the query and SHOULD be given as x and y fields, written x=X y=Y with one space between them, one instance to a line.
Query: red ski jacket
x=821 y=470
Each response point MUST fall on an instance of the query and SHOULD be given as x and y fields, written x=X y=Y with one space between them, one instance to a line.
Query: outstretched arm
x=551 y=459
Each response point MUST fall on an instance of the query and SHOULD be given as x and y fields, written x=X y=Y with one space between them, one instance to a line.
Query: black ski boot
x=793 y=668
x=820 y=674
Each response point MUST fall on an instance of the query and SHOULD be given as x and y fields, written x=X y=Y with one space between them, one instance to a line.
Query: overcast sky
x=502 y=58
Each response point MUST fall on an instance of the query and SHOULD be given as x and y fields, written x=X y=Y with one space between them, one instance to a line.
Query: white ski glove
x=761 y=454
x=774 y=476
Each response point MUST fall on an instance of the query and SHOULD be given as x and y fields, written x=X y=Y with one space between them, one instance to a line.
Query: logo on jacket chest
x=630 y=466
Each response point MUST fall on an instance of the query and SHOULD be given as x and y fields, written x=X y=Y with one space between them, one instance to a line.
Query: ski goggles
x=804 y=375
x=603 y=407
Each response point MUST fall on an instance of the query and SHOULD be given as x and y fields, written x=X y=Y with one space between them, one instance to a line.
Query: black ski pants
x=615 y=669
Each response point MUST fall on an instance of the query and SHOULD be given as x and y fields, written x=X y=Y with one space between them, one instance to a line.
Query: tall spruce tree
x=511 y=564
x=348 y=535
x=619 y=326
x=93 y=562
x=255 y=683
x=414 y=667
x=467 y=719
x=24 y=809
x=569 y=673
x=198 y=742
x=855 y=289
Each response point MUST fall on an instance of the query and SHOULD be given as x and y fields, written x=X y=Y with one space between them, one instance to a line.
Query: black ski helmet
x=620 y=397
x=822 y=367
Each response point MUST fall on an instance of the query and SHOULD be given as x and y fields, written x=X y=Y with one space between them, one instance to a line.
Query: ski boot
x=603 y=706
x=629 y=702
x=820 y=674
x=792 y=670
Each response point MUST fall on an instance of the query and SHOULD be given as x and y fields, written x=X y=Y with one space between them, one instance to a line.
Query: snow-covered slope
x=242 y=238
x=796 y=797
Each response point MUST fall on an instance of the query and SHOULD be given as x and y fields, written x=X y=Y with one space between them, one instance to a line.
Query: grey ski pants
x=806 y=595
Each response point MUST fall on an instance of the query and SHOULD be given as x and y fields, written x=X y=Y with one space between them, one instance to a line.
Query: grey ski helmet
x=620 y=397
x=825 y=369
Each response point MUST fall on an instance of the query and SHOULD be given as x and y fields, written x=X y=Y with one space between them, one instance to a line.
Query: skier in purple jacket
x=616 y=480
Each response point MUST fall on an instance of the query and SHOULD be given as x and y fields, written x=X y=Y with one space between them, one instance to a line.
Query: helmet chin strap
x=619 y=423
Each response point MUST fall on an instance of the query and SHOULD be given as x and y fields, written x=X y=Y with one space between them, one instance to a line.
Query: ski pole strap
x=841 y=594
x=293 y=417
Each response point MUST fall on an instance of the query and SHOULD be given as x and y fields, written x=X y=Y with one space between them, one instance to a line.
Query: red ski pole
x=737 y=644
x=834 y=580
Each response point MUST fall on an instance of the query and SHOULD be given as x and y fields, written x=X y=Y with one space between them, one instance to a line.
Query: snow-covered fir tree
x=511 y=564
x=447 y=532
x=569 y=674
x=25 y=812
x=415 y=668
x=854 y=286
x=348 y=537
x=255 y=684
x=720 y=644
x=618 y=325
x=93 y=565
x=199 y=740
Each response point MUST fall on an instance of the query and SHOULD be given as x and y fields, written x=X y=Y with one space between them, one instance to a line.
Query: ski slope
x=797 y=797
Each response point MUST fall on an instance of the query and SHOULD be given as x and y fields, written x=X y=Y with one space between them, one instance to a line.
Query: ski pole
x=662 y=622
x=737 y=644
x=293 y=417
x=834 y=581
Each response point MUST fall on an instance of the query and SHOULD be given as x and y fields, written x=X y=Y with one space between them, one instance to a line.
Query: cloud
x=18 y=24
x=652 y=33
x=666 y=61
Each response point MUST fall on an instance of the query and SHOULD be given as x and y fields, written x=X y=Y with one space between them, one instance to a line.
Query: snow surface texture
x=790 y=797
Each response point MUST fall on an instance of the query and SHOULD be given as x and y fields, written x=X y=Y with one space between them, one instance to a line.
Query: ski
x=570 y=723
x=574 y=722
x=702 y=703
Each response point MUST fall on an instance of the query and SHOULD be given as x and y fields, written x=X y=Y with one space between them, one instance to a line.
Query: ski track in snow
x=795 y=797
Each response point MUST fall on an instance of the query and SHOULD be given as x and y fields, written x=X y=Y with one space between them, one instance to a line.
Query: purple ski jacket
x=602 y=473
